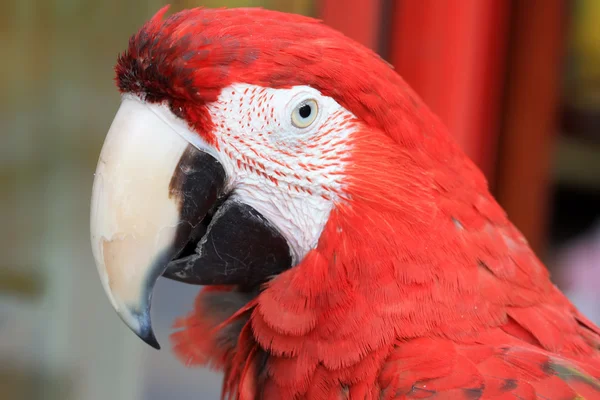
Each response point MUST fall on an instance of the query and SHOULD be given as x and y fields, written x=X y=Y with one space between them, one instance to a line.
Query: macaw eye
x=305 y=114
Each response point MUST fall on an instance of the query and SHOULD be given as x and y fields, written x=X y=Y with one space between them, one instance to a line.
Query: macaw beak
x=140 y=215
x=157 y=200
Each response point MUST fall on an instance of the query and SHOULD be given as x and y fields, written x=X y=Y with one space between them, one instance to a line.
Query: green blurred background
x=59 y=337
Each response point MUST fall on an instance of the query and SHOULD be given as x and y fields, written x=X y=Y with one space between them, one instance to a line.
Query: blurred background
x=517 y=82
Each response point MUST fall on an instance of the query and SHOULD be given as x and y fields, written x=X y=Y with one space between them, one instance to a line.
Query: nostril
x=176 y=109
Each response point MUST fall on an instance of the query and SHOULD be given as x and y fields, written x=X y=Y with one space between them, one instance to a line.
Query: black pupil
x=305 y=111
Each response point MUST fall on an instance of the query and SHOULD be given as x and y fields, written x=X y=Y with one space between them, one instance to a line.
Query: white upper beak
x=134 y=216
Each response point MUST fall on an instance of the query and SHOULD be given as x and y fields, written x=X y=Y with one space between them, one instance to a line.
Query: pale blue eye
x=305 y=113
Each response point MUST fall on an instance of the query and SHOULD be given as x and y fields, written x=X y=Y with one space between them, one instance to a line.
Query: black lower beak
x=240 y=247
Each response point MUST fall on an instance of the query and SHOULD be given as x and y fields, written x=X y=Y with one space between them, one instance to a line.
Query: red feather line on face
x=420 y=258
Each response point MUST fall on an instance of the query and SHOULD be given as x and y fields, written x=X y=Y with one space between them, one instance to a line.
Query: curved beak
x=151 y=191
x=159 y=209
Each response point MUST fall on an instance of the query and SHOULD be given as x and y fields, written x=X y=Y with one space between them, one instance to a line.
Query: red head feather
x=192 y=55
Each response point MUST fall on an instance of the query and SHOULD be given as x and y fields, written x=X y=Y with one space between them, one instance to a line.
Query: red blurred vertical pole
x=453 y=53
x=524 y=173
x=358 y=19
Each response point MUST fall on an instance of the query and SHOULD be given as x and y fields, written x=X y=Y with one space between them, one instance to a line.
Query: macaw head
x=240 y=133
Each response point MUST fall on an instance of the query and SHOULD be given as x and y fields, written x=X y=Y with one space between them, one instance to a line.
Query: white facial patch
x=292 y=175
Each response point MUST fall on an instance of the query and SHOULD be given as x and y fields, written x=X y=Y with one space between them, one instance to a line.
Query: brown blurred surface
x=34 y=384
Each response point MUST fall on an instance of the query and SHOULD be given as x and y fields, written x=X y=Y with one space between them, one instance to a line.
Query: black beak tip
x=150 y=339
x=145 y=331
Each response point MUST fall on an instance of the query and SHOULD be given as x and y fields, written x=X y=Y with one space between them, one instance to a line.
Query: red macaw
x=350 y=249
